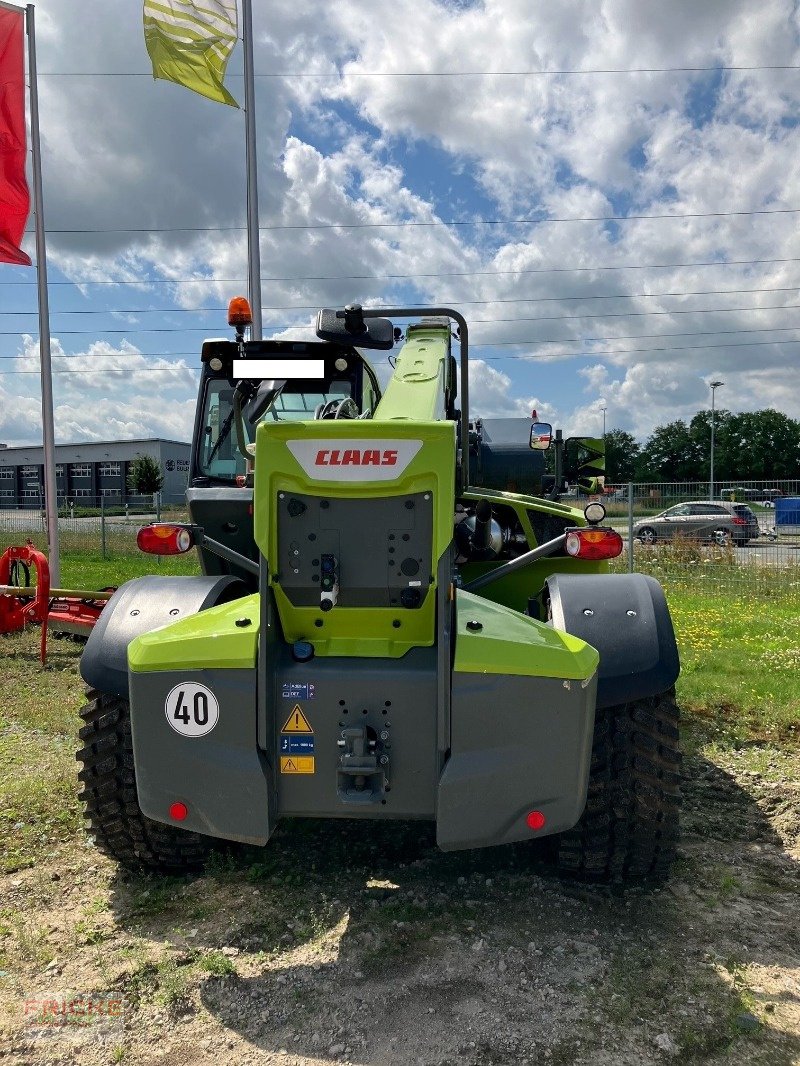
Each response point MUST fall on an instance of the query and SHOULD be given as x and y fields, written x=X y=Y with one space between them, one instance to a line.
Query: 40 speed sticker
x=191 y=709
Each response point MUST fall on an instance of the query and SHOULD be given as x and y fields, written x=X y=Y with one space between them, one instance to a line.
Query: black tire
x=111 y=806
x=722 y=538
x=647 y=535
x=629 y=829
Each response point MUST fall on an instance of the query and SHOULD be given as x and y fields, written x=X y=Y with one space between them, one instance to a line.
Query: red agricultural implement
x=61 y=610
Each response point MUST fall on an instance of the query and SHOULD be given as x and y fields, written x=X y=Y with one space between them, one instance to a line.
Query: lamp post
x=604 y=409
x=714 y=385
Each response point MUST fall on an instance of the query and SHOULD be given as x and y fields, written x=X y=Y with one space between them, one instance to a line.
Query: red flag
x=14 y=197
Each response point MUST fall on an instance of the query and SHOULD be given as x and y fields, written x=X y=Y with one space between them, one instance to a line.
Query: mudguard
x=624 y=616
x=140 y=606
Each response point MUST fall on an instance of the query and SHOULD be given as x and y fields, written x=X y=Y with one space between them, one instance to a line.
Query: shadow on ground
x=362 y=942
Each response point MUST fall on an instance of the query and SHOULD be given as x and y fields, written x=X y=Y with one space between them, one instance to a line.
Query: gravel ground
x=347 y=943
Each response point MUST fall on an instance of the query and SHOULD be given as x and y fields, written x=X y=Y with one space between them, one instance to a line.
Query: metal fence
x=742 y=539
x=710 y=554
x=97 y=526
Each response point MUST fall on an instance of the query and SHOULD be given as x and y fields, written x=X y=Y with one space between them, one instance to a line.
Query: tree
x=670 y=454
x=622 y=452
x=144 y=475
x=761 y=446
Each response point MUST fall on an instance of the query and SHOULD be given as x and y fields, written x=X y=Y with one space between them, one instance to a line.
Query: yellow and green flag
x=191 y=42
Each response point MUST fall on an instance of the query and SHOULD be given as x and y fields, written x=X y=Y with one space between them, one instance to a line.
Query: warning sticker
x=297 y=764
x=297 y=722
x=297 y=744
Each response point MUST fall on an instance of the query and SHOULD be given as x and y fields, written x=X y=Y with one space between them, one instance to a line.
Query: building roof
x=94 y=443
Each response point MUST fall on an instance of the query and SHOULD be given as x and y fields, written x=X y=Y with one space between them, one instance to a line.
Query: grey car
x=716 y=522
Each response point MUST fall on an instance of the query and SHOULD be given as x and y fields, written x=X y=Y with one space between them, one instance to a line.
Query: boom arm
x=463 y=336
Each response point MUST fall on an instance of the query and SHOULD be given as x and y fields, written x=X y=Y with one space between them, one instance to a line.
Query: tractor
x=397 y=618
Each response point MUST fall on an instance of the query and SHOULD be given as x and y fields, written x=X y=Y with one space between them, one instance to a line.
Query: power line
x=513 y=358
x=539 y=318
x=455 y=300
x=538 y=341
x=435 y=274
x=627 y=351
x=312 y=307
x=412 y=223
x=308 y=75
x=493 y=344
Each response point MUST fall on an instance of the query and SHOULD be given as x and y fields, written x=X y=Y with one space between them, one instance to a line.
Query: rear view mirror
x=351 y=327
x=262 y=401
x=541 y=436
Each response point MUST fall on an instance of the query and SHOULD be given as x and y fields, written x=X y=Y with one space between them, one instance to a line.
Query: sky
x=608 y=190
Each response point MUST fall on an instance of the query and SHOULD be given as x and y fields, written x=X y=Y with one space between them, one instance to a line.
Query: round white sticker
x=191 y=709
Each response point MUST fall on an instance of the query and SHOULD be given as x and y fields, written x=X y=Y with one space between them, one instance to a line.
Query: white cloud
x=128 y=154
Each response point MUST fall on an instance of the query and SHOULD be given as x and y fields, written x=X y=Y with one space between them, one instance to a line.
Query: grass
x=740 y=656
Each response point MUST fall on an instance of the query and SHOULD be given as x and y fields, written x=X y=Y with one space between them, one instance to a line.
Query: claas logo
x=356 y=457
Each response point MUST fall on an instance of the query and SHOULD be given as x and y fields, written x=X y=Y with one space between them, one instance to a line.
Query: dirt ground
x=347 y=943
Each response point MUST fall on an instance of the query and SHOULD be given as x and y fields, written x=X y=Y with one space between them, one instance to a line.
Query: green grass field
x=740 y=658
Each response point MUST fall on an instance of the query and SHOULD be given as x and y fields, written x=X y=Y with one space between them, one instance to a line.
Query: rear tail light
x=164 y=539
x=593 y=543
x=740 y=521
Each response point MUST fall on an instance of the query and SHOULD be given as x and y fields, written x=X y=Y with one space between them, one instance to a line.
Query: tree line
x=755 y=445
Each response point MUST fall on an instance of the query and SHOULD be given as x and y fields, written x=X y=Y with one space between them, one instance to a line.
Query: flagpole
x=50 y=499
x=253 y=232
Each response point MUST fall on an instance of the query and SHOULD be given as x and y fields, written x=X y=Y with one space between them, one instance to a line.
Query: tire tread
x=120 y=829
x=629 y=828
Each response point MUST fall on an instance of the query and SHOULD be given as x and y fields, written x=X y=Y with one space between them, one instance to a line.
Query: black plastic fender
x=139 y=606
x=624 y=616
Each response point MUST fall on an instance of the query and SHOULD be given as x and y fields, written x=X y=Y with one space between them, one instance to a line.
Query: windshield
x=218 y=455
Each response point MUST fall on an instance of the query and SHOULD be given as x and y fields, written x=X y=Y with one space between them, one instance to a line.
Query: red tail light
x=740 y=521
x=593 y=543
x=164 y=539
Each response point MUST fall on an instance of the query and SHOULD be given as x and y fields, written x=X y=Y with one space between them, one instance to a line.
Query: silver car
x=715 y=522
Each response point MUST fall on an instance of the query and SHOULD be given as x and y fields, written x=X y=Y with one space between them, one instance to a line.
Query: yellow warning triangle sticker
x=288 y=766
x=297 y=722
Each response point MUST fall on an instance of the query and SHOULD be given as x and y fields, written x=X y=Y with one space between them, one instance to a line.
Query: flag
x=190 y=43
x=15 y=200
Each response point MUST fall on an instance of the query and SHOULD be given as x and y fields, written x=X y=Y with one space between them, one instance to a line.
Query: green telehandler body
x=396 y=618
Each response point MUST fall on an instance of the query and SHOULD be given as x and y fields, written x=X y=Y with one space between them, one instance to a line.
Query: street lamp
x=714 y=385
x=604 y=409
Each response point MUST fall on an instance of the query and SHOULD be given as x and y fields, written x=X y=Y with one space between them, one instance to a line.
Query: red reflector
x=593 y=543
x=535 y=820
x=241 y=481
x=178 y=811
x=164 y=539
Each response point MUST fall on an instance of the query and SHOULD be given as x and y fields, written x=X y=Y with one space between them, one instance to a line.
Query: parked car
x=716 y=522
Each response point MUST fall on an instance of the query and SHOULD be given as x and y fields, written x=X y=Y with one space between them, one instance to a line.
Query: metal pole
x=630 y=527
x=714 y=386
x=103 y=526
x=51 y=503
x=711 y=482
x=253 y=233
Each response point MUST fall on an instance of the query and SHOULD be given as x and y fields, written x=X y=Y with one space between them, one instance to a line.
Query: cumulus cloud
x=145 y=190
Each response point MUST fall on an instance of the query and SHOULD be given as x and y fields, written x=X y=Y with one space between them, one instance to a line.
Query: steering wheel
x=344 y=407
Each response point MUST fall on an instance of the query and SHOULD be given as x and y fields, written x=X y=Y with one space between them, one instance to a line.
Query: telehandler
x=392 y=621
